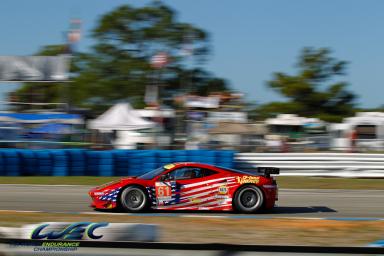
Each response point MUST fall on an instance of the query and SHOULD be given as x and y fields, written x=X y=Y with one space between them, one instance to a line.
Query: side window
x=208 y=172
x=186 y=173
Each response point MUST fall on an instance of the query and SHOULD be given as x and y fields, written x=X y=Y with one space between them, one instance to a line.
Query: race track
x=292 y=203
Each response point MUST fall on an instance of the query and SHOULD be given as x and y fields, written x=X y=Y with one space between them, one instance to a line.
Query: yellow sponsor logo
x=247 y=179
x=223 y=190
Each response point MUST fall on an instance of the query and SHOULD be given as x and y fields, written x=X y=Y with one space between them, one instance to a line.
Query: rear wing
x=267 y=171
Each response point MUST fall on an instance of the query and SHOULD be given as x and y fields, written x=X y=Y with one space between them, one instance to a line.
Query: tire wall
x=81 y=162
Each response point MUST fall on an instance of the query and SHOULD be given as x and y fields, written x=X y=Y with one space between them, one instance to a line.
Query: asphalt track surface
x=292 y=202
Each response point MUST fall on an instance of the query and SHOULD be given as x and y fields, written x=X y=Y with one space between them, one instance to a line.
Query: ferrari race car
x=190 y=186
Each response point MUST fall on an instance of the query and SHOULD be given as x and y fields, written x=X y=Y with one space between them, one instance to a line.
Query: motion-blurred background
x=142 y=80
x=118 y=88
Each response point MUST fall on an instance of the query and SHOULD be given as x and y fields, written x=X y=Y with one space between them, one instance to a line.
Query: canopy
x=365 y=118
x=292 y=119
x=153 y=113
x=120 y=117
x=41 y=118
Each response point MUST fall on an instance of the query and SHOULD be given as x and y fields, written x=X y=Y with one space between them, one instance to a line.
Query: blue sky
x=251 y=39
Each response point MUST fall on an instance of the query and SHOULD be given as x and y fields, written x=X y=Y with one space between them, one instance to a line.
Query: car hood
x=127 y=179
x=115 y=182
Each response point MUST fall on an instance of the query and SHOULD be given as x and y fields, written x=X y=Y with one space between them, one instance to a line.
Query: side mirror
x=164 y=177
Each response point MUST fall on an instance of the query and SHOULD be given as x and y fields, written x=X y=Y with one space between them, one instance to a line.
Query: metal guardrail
x=316 y=164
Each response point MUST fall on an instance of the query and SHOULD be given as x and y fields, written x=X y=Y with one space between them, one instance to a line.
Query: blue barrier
x=28 y=162
x=11 y=162
x=76 y=162
x=121 y=162
x=80 y=162
x=2 y=169
x=44 y=163
x=59 y=163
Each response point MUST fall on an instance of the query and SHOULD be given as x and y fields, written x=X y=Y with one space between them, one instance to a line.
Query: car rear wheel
x=248 y=199
x=134 y=199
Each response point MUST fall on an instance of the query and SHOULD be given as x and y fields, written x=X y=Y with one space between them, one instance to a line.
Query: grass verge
x=222 y=230
x=283 y=181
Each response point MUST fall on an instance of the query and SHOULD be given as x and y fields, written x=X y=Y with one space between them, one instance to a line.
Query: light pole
x=73 y=36
x=153 y=91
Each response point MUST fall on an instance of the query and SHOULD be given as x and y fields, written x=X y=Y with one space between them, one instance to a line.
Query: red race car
x=190 y=186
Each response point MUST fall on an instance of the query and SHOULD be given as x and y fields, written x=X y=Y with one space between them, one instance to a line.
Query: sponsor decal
x=247 y=179
x=163 y=191
x=74 y=231
x=47 y=246
x=222 y=190
x=222 y=196
x=57 y=247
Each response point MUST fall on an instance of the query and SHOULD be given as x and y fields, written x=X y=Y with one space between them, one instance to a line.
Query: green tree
x=118 y=66
x=196 y=81
x=314 y=91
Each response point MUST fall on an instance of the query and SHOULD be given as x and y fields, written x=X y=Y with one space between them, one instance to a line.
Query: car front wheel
x=134 y=199
x=248 y=199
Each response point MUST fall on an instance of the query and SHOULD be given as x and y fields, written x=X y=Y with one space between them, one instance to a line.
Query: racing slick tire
x=248 y=199
x=134 y=199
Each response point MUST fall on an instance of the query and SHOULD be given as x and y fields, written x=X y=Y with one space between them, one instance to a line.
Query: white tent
x=292 y=119
x=366 y=118
x=153 y=113
x=120 y=117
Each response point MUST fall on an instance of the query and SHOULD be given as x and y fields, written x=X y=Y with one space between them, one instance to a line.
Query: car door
x=187 y=187
x=193 y=187
x=169 y=188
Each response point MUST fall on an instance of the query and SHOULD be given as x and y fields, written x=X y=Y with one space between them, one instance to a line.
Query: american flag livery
x=110 y=195
x=204 y=187
x=207 y=194
x=173 y=199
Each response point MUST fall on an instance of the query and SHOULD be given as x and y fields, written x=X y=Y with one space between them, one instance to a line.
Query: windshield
x=152 y=174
